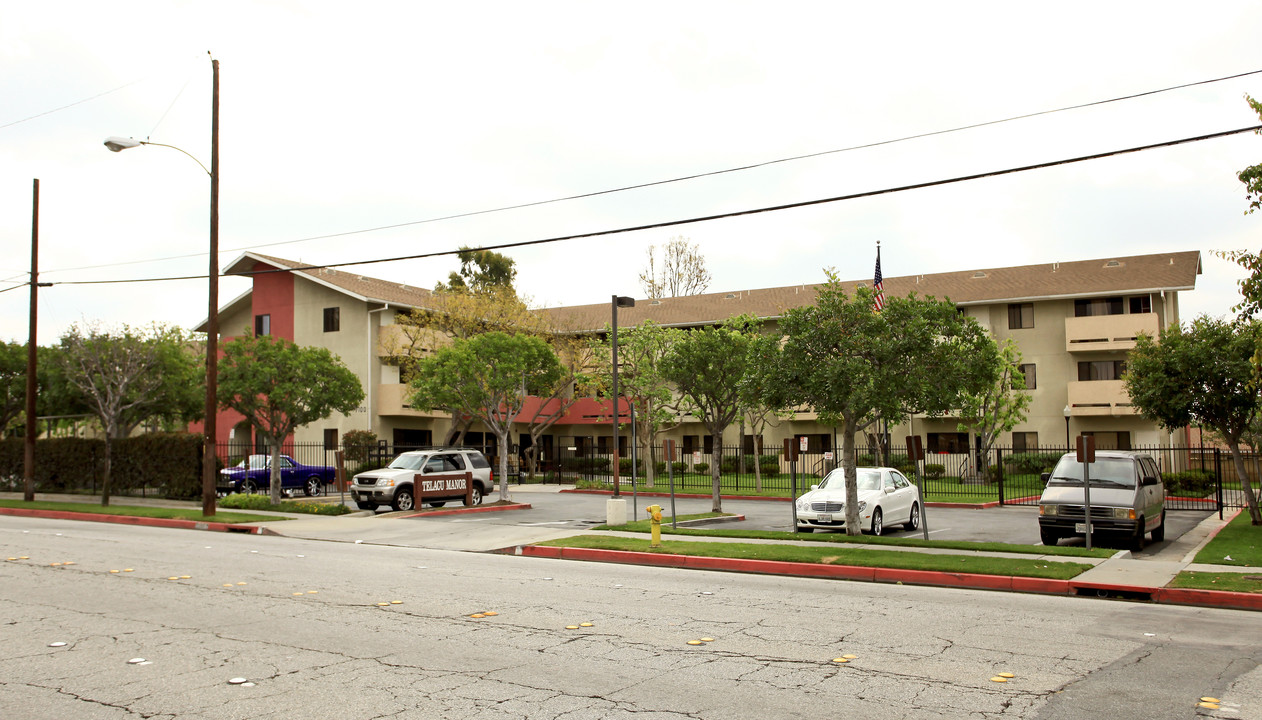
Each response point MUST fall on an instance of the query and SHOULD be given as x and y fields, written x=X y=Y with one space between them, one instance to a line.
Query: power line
x=684 y=177
x=720 y=216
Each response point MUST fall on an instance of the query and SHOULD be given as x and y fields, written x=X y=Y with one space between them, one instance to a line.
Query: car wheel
x=314 y=487
x=877 y=526
x=1137 y=539
x=403 y=500
x=1159 y=532
x=913 y=520
x=249 y=487
x=477 y=494
x=366 y=505
x=1049 y=538
x=440 y=503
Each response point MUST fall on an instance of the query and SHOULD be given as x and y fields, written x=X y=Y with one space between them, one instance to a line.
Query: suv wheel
x=1159 y=532
x=1048 y=537
x=403 y=499
x=477 y=494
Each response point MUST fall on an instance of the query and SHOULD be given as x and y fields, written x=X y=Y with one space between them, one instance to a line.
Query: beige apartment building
x=1073 y=322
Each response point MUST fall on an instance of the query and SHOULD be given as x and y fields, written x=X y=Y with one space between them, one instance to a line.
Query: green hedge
x=168 y=464
x=1033 y=463
x=1189 y=483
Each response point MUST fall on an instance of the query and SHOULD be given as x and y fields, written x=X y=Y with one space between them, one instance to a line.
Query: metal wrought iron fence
x=1195 y=478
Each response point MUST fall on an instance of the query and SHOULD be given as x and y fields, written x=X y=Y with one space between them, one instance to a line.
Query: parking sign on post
x=916 y=451
x=1086 y=456
x=670 y=473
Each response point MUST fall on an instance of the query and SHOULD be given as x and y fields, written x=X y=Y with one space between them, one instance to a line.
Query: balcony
x=1107 y=332
x=1100 y=398
x=392 y=399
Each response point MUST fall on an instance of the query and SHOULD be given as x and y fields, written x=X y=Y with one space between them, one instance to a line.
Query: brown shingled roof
x=1120 y=275
x=1082 y=278
x=368 y=288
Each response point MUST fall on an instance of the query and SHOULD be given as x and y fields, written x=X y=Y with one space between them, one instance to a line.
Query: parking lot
x=552 y=510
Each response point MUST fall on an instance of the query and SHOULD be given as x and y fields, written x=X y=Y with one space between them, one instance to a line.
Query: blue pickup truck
x=253 y=474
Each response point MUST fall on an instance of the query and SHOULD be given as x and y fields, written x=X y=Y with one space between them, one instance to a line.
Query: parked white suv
x=394 y=485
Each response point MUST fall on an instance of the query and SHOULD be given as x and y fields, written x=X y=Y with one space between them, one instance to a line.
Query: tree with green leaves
x=755 y=410
x=129 y=376
x=481 y=271
x=1001 y=405
x=1251 y=286
x=12 y=384
x=279 y=386
x=487 y=377
x=852 y=364
x=1202 y=374
x=706 y=367
x=641 y=352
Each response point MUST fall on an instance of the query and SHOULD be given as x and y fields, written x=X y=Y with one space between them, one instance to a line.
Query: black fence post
x=1218 y=477
x=999 y=473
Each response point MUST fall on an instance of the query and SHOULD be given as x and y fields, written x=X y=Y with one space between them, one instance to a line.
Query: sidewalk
x=1119 y=576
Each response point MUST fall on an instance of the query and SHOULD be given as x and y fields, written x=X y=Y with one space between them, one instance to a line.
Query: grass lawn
x=1228 y=581
x=138 y=511
x=1240 y=541
x=643 y=526
x=862 y=557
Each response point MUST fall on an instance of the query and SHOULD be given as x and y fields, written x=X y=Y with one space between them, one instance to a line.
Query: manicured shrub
x=933 y=471
x=1189 y=483
x=701 y=467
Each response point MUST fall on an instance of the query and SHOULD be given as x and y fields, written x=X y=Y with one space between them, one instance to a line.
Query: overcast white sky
x=338 y=117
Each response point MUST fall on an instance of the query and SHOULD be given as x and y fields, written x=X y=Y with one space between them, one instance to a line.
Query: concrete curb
x=134 y=520
x=971 y=581
x=699 y=496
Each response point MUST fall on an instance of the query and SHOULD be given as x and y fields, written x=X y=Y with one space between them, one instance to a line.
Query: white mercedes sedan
x=886 y=497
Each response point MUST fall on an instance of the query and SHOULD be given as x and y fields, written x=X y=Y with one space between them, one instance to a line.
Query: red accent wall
x=273 y=295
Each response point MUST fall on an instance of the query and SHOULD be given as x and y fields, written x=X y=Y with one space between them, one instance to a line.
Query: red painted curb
x=133 y=520
x=945 y=579
x=468 y=510
x=1210 y=598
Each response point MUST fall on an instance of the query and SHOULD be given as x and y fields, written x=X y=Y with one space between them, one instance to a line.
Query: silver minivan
x=1127 y=498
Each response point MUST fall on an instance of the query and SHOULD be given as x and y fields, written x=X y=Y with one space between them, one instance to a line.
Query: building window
x=1025 y=441
x=752 y=445
x=1141 y=304
x=1031 y=377
x=1020 y=316
x=1101 y=370
x=947 y=443
x=690 y=444
x=707 y=444
x=1098 y=306
x=332 y=319
x=603 y=443
x=330 y=439
x=262 y=325
x=1111 y=440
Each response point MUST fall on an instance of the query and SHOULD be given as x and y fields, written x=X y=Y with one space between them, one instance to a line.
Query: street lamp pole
x=617 y=302
x=1068 y=411
x=209 y=429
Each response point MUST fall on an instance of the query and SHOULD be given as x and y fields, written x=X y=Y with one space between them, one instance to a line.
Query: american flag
x=878 y=288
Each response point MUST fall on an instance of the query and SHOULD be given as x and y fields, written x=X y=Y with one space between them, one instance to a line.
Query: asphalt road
x=1014 y=524
x=300 y=621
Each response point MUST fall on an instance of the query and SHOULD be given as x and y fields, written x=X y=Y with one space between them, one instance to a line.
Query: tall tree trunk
x=105 y=478
x=273 y=470
x=502 y=434
x=1251 y=500
x=716 y=457
x=852 y=481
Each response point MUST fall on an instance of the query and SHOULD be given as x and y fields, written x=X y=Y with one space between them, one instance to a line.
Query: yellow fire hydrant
x=655 y=524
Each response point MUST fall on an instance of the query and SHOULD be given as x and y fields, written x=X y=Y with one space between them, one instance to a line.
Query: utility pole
x=28 y=464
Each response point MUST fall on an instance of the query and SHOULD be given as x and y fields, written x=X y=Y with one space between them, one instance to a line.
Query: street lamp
x=1068 y=411
x=617 y=302
x=118 y=144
